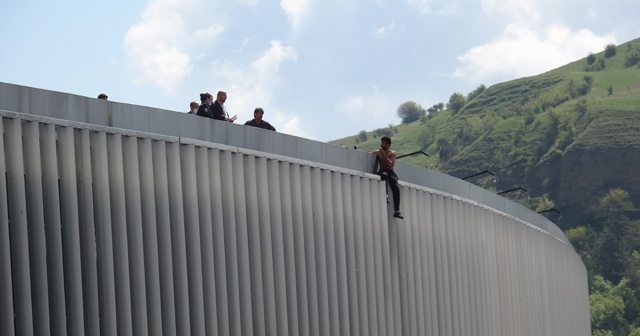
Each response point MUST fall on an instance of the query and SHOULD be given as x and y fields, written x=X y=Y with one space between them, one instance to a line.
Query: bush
x=456 y=102
x=362 y=136
x=410 y=111
x=610 y=50
x=591 y=58
x=633 y=58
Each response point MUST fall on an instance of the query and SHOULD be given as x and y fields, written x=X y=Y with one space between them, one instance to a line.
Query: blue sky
x=321 y=69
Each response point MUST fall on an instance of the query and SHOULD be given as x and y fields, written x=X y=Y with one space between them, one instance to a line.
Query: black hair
x=204 y=96
x=386 y=139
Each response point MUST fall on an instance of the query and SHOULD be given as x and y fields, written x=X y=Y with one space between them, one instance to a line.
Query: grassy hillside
x=531 y=131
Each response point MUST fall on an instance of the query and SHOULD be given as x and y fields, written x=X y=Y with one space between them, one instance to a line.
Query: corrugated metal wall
x=111 y=232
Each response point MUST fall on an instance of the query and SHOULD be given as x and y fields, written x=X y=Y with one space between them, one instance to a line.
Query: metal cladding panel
x=7 y=324
x=113 y=232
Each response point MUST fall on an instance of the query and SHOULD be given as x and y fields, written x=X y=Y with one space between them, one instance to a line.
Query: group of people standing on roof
x=215 y=109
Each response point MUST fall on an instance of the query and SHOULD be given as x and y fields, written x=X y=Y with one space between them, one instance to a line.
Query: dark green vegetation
x=571 y=138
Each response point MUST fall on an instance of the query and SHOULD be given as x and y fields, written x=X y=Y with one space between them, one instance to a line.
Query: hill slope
x=567 y=136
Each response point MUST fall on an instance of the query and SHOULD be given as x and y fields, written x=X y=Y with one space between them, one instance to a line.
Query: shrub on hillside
x=633 y=58
x=610 y=50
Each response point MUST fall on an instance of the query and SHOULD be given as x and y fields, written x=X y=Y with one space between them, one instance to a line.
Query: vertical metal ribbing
x=150 y=237
x=504 y=278
x=527 y=303
x=415 y=222
x=360 y=270
x=120 y=239
x=7 y=326
x=408 y=229
x=454 y=264
x=369 y=254
x=442 y=267
x=265 y=208
x=376 y=201
x=310 y=252
x=329 y=231
x=382 y=236
x=318 y=211
x=163 y=225
x=289 y=248
x=18 y=227
x=281 y=297
x=242 y=236
x=350 y=256
x=192 y=238
x=86 y=216
x=474 y=251
x=178 y=243
x=464 y=274
x=493 y=280
x=230 y=242
x=299 y=250
x=254 y=222
x=428 y=263
x=394 y=258
x=342 y=291
x=135 y=240
x=36 y=228
x=405 y=313
x=203 y=204
x=104 y=235
x=223 y=305
x=511 y=273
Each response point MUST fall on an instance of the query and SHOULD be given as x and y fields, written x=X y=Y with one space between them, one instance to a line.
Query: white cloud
x=517 y=10
x=420 y=5
x=254 y=84
x=293 y=127
x=296 y=10
x=523 y=51
x=383 y=31
x=373 y=105
x=159 y=45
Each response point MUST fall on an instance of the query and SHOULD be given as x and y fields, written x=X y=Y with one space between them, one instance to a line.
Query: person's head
x=258 y=113
x=206 y=98
x=193 y=106
x=385 y=142
x=222 y=97
x=103 y=96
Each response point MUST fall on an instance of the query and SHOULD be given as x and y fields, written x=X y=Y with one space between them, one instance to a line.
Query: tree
x=410 y=111
x=480 y=89
x=610 y=50
x=606 y=308
x=456 y=102
x=619 y=234
x=362 y=136
x=591 y=58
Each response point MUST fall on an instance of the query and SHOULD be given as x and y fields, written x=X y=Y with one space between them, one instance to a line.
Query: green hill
x=571 y=138
x=569 y=135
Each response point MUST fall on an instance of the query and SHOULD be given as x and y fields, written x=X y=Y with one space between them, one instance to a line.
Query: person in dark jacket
x=218 y=110
x=257 y=121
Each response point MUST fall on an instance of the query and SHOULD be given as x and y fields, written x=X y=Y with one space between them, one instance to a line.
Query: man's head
x=193 y=106
x=385 y=142
x=222 y=97
x=103 y=96
x=258 y=113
